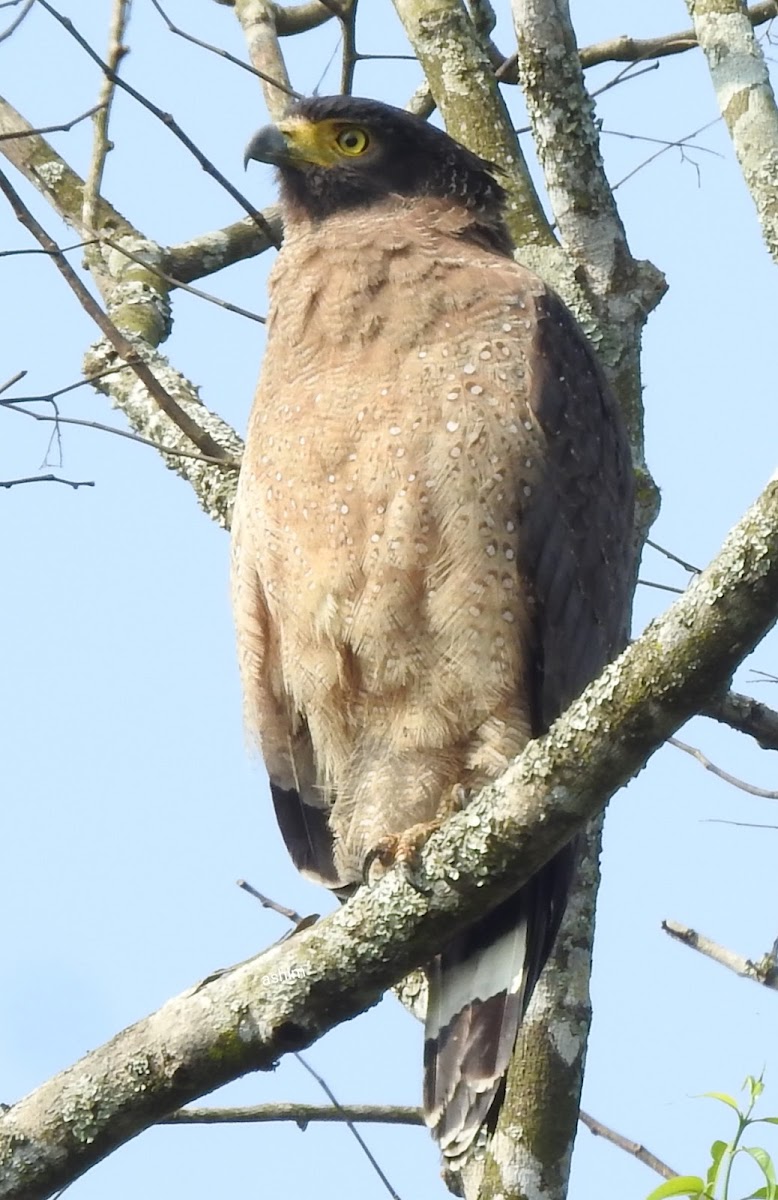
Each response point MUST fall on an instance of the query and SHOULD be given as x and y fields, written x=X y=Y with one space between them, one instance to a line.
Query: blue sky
x=131 y=805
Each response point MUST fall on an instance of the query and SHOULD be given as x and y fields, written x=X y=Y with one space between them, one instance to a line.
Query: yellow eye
x=352 y=141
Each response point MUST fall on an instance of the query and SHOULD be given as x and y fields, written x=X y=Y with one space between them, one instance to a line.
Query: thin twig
x=101 y=144
x=57 y=419
x=348 y=25
x=65 y=127
x=16 y=21
x=763 y=972
x=9 y=383
x=38 y=250
x=273 y=905
x=636 y=1149
x=763 y=793
x=74 y=483
x=662 y=549
x=166 y=119
x=123 y=346
x=179 y=283
x=627 y=74
x=49 y=396
x=664 y=149
x=747 y=716
x=301 y=1114
x=662 y=587
x=350 y=1125
x=237 y=62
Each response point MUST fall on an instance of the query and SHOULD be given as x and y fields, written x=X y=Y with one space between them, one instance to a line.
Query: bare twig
x=123 y=346
x=179 y=283
x=741 y=80
x=348 y=25
x=636 y=1149
x=673 y=557
x=747 y=716
x=237 y=62
x=74 y=483
x=16 y=21
x=9 y=383
x=57 y=419
x=763 y=972
x=664 y=149
x=301 y=1114
x=165 y=118
x=350 y=1125
x=764 y=676
x=662 y=587
x=763 y=793
x=101 y=144
x=273 y=905
x=38 y=250
x=64 y=127
x=49 y=396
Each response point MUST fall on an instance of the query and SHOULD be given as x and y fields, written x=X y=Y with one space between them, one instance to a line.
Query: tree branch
x=101 y=144
x=301 y=1114
x=127 y=350
x=705 y=762
x=258 y=22
x=245 y=1017
x=41 y=166
x=210 y=252
x=636 y=1149
x=165 y=118
x=747 y=716
x=614 y=292
x=765 y=971
x=746 y=100
x=462 y=83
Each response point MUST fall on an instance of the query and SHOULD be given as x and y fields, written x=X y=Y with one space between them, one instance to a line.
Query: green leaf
x=765 y=1121
x=755 y=1087
x=724 y=1098
x=717 y=1151
x=762 y=1194
x=765 y=1164
x=682 y=1185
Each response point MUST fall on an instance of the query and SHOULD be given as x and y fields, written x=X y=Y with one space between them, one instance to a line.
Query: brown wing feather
x=575 y=553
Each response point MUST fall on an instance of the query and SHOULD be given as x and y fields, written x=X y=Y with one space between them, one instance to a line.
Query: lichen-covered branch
x=746 y=99
x=210 y=252
x=137 y=304
x=628 y=49
x=41 y=166
x=128 y=351
x=244 y=1018
x=462 y=83
x=562 y=116
x=618 y=291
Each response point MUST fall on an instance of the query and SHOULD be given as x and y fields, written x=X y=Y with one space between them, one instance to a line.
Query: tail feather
x=480 y=987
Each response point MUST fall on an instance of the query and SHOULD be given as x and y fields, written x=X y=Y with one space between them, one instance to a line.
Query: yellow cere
x=324 y=143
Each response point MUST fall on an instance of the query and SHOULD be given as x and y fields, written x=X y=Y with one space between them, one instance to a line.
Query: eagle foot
x=401 y=850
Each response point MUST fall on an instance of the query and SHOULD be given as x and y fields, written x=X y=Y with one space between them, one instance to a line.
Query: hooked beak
x=268 y=145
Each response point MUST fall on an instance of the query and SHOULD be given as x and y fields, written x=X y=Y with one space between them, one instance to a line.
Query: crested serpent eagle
x=431 y=540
